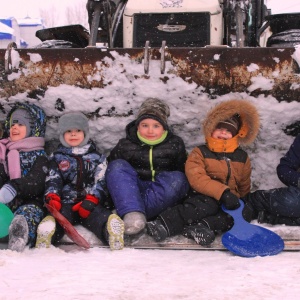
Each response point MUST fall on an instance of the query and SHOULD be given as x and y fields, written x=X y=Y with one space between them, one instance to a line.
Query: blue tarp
x=5 y=29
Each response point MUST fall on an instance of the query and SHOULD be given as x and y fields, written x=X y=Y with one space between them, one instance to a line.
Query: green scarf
x=153 y=143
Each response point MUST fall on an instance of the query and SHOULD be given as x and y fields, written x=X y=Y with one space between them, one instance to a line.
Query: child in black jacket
x=145 y=174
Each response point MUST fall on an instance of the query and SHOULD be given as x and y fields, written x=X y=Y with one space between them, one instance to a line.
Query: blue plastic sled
x=248 y=240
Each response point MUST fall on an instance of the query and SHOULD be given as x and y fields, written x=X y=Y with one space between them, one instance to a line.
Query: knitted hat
x=232 y=124
x=22 y=116
x=153 y=108
x=73 y=120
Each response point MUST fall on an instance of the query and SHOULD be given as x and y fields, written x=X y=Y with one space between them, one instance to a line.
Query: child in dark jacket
x=145 y=174
x=23 y=169
x=76 y=186
x=218 y=172
x=280 y=205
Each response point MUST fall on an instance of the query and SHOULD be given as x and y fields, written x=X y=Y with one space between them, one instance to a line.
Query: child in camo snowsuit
x=75 y=186
x=23 y=170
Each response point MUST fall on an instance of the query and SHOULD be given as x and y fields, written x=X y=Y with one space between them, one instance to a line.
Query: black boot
x=200 y=233
x=157 y=230
x=265 y=217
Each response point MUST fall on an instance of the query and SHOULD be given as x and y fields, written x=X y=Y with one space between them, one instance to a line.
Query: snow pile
x=126 y=87
x=296 y=55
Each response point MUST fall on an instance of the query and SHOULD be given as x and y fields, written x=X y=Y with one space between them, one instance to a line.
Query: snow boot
x=134 y=222
x=115 y=229
x=45 y=232
x=18 y=234
x=200 y=233
x=157 y=230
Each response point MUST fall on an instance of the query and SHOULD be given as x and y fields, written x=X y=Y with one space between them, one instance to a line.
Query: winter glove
x=53 y=200
x=86 y=206
x=7 y=193
x=230 y=201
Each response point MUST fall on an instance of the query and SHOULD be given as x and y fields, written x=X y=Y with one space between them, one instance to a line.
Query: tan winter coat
x=213 y=168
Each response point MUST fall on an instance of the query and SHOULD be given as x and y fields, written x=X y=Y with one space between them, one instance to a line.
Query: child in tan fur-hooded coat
x=219 y=173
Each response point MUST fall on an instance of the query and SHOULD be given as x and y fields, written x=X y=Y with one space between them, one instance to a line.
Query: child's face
x=17 y=132
x=150 y=129
x=222 y=134
x=74 y=137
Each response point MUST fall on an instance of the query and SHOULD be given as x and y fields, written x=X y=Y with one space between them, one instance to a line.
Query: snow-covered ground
x=146 y=274
x=98 y=273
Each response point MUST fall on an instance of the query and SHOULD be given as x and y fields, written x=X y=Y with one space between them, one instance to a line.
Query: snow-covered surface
x=296 y=55
x=146 y=274
x=30 y=21
x=97 y=273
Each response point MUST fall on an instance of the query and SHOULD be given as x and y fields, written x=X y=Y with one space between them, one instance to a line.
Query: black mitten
x=230 y=201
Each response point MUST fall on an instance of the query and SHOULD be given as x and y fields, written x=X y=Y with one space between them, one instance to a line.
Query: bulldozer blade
x=218 y=70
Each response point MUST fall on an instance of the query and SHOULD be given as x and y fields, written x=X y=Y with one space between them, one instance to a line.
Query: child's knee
x=179 y=185
x=117 y=165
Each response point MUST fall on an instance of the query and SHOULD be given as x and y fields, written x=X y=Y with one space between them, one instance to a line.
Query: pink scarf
x=13 y=157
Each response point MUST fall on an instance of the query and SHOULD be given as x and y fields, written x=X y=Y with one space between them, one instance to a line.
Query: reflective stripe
x=151 y=163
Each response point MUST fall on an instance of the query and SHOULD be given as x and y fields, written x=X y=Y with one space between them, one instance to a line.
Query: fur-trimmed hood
x=249 y=116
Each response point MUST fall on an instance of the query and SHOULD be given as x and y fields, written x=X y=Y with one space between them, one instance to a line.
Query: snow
x=257 y=83
x=35 y=57
x=98 y=273
x=252 y=67
x=146 y=274
x=296 y=55
x=30 y=21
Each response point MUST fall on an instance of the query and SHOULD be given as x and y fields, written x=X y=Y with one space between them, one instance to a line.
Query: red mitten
x=86 y=206
x=53 y=200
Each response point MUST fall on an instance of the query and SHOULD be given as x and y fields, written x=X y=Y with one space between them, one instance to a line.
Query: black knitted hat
x=232 y=124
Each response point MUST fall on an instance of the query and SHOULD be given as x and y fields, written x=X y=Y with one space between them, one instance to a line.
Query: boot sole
x=45 y=232
x=18 y=234
x=202 y=236
x=115 y=228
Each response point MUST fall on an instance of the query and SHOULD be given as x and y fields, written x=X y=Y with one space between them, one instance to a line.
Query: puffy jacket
x=211 y=173
x=77 y=171
x=213 y=168
x=288 y=168
x=148 y=161
x=34 y=164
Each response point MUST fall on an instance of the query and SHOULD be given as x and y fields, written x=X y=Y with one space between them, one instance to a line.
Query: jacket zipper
x=79 y=183
x=229 y=169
